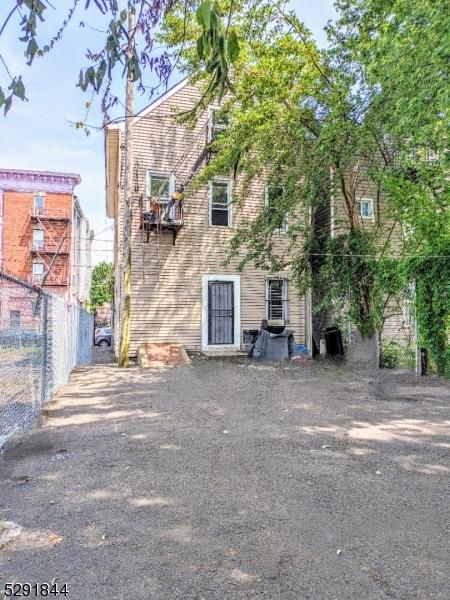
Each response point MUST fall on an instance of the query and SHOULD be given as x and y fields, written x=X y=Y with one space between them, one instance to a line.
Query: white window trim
x=285 y=294
x=155 y=173
x=35 y=263
x=368 y=218
x=230 y=202
x=236 y=279
x=211 y=111
x=39 y=195
x=280 y=230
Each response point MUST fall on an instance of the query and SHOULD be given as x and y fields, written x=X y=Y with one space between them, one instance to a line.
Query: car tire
x=103 y=344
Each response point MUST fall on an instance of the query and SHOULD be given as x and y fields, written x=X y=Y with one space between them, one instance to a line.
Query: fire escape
x=49 y=246
x=162 y=210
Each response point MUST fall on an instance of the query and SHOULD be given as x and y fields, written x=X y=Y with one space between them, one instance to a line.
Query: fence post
x=418 y=361
x=44 y=348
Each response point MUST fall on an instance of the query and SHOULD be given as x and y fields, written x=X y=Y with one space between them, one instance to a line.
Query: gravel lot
x=226 y=481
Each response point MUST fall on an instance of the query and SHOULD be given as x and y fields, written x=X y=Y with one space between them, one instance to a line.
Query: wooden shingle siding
x=166 y=302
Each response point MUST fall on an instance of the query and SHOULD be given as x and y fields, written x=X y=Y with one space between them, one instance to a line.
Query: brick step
x=161 y=354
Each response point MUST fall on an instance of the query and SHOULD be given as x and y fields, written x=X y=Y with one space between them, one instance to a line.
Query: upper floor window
x=160 y=186
x=277 y=298
x=39 y=202
x=38 y=272
x=220 y=214
x=38 y=239
x=366 y=208
x=274 y=199
x=217 y=124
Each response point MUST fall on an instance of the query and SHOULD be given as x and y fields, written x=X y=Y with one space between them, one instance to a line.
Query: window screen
x=159 y=185
x=220 y=203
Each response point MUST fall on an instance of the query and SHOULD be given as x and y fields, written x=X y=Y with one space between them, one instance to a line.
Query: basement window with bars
x=277 y=300
x=220 y=203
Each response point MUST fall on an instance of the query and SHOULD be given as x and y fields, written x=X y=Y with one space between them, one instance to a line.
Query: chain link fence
x=42 y=338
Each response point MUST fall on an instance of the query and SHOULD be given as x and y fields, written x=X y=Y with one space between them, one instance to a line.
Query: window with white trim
x=274 y=197
x=39 y=202
x=160 y=186
x=217 y=124
x=38 y=272
x=277 y=299
x=220 y=201
x=366 y=208
x=38 y=239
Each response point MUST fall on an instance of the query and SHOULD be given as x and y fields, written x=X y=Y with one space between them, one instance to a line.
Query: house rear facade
x=180 y=289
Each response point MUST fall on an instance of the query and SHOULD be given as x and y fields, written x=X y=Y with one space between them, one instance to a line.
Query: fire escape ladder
x=52 y=244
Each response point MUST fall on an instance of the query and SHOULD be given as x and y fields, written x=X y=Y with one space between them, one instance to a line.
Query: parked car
x=103 y=337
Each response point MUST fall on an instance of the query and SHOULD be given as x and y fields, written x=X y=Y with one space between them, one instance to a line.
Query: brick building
x=45 y=238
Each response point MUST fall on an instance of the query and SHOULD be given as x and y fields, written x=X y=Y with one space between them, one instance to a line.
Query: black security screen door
x=220 y=312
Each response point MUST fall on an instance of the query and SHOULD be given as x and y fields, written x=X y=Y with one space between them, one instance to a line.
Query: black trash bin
x=249 y=338
x=333 y=341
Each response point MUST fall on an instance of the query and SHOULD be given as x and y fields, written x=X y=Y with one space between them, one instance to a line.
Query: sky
x=40 y=134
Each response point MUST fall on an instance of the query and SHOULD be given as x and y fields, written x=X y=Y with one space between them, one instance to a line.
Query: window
x=14 y=319
x=39 y=203
x=218 y=124
x=220 y=203
x=274 y=197
x=277 y=298
x=38 y=272
x=38 y=239
x=35 y=306
x=161 y=186
x=366 y=208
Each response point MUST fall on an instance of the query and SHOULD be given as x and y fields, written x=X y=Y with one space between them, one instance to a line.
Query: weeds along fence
x=42 y=338
x=395 y=345
x=397 y=337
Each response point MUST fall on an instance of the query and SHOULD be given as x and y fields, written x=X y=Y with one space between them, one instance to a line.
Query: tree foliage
x=372 y=110
x=102 y=285
x=110 y=59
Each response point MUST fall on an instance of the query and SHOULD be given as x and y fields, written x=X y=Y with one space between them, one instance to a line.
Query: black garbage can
x=249 y=338
x=333 y=341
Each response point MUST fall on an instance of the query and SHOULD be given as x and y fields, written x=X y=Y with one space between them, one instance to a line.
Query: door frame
x=236 y=280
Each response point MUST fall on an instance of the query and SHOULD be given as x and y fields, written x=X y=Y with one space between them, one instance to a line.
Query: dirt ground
x=227 y=481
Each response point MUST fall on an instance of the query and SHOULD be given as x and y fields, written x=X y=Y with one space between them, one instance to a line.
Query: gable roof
x=158 y=101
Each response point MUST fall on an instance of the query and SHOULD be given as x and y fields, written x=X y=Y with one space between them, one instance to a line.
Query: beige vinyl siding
x=167 y=279
x=392 y=232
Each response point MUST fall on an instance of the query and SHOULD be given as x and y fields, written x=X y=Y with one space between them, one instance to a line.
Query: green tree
x=110 y=60
x=102 y=285
x=374 y=106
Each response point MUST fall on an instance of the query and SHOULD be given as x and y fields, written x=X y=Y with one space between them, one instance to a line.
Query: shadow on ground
x=233 y=481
